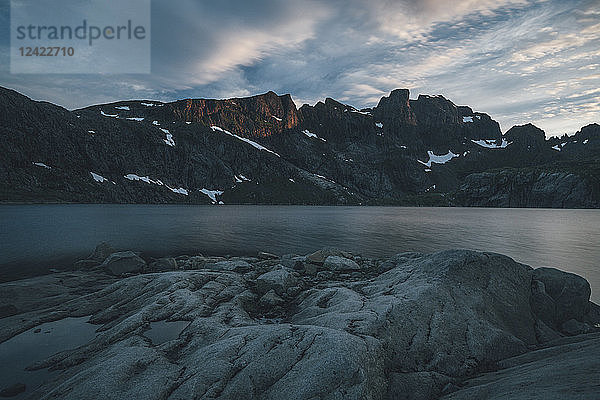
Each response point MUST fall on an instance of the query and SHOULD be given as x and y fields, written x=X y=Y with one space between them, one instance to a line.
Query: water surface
x=36 y=344
x=42 y=236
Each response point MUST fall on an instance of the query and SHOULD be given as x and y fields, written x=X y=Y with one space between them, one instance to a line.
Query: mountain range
x=264 y=150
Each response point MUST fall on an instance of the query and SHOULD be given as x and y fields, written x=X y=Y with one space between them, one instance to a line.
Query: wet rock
x=336 y=263
x=123 y=263
x=13 y=390
x=279 y=280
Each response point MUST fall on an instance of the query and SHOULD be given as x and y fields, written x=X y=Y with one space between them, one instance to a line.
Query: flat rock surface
x=412 y=327
x=568 y=371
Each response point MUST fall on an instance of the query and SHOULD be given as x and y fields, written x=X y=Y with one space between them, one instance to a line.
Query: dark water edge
x=35 y=238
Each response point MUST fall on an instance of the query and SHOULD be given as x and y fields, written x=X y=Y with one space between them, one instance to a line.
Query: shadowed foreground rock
x=330 y=325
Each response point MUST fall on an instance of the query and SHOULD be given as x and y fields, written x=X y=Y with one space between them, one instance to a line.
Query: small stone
x=294 y=262
x=319 y=256
x=311 y=269
x=336 y=263
x=267 y=256
x=324 y=275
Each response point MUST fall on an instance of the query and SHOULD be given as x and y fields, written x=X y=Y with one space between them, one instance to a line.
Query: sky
x=521 y=61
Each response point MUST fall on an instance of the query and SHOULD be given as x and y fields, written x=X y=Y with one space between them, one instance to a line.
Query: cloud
x=519 y=60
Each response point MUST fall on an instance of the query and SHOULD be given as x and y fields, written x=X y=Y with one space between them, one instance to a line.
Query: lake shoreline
x=34 y=237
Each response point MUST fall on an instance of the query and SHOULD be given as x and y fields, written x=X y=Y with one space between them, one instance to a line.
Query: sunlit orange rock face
x=258 y=116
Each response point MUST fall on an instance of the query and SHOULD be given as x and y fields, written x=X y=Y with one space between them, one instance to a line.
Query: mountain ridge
x=402 y=151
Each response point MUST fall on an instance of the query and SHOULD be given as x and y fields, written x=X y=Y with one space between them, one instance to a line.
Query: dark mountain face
x=262 y=149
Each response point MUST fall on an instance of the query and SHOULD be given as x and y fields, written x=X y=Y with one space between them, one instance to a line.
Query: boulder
x=101 y=252
x=573 y=327
x=293 y=261
x=271 y=299
x=336 y=263
x=162 y=265
x=569 y=292
x=319 y=256
x=122 y=263
x=279 y=280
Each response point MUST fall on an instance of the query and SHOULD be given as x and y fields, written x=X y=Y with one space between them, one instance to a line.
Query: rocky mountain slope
x=327 y=325
x=264 y=150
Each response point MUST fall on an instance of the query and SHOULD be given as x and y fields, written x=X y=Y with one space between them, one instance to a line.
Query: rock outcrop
x=412 y=327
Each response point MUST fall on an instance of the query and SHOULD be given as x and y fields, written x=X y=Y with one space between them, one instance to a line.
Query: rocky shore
x=329 y=325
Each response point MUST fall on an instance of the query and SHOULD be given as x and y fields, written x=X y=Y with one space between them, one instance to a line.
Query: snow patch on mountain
x=98 y=178
x=379 y=125
x=250 y=142
x=436 y=159
x=179 y=191
x=312 y=135
x=126 y=108
x=40 y=164
x=169 y=140
x=136 y=119
x=360 y=112
x=241 y=178
x=135 y=177
x=109 y=115
x=212 y=194
x=491 y=143
x=468 y=119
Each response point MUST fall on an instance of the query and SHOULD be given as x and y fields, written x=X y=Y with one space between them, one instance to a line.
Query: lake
x=34 y=238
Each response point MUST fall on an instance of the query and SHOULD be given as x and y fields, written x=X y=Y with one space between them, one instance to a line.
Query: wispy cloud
x=519 y=60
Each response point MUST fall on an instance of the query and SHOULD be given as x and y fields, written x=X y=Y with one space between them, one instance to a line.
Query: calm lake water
x=38 y=237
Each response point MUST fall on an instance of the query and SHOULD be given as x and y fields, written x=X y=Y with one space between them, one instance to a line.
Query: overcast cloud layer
x=518 y=60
